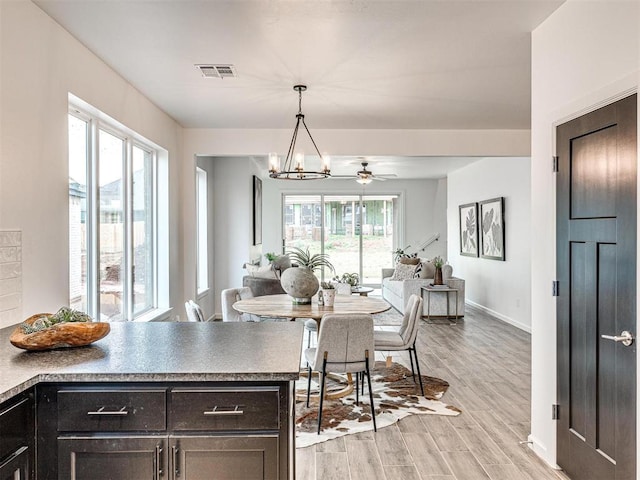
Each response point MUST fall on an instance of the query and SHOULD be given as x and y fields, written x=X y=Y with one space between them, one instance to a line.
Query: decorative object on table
x=353 y=279
x=257 y=210
x=469 y=229
x=301 y=283
x=438 y=262
x=396 y=396
x=293 y=167
x=345 y=283
x=328 y=294
x=270 y=256
x=492 y=228
x=65 y=328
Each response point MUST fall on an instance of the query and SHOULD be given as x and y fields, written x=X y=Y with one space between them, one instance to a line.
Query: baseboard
x=500 y=316
x=541 y=451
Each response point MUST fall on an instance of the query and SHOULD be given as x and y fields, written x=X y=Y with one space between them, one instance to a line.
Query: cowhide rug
x=395 y=396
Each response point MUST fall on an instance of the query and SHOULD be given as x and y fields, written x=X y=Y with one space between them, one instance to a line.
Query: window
x=202 y=225
x=112 y=219
x=357 y=231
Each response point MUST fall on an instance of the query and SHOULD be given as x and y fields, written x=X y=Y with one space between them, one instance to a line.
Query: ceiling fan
x=366 y=176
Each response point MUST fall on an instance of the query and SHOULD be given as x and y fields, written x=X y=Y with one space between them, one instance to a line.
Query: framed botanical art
x=492 y=228
x=469 y=229
x=257 y=210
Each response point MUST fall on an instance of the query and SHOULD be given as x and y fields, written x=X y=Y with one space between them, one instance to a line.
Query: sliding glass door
x=356 y=231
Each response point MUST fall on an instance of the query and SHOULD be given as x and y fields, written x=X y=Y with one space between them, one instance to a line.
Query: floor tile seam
x=491 y=440
x=377 y=453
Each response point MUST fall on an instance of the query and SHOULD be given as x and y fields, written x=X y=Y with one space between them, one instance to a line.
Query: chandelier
x=293 y=167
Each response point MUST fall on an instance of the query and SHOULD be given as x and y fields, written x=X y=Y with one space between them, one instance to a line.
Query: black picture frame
x=257 y=210
x=492 y=233
x=468 y=216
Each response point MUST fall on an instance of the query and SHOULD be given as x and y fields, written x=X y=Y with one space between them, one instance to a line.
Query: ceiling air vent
x=217 y=71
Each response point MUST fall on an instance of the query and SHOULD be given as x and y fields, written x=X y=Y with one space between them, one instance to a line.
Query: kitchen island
x=160 y=400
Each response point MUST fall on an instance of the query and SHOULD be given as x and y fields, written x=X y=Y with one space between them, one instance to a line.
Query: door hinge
x=556 y=160
x=555 y=288
x=555 y=411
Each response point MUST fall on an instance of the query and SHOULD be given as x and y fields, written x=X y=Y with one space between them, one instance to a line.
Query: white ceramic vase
x=300 y=283
x=329 y=297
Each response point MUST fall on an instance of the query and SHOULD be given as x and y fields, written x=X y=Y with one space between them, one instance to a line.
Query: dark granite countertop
x=161 y=351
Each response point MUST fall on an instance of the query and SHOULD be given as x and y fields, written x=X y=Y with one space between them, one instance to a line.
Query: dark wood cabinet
x=111 y=458
x=224 y=457
x=17 y=438
x=173 y=431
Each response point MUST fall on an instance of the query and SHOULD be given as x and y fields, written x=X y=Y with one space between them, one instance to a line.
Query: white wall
x=584 y=55
x=231 y=214
x=40 y=64
x=500 y=288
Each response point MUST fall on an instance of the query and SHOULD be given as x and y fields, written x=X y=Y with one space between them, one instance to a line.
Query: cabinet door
x=16 y=467
x=224 y=458
x=111 y=458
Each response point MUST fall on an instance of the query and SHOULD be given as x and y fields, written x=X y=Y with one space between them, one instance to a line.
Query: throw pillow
x=427 y=270
x=280 y=264
x=403 y=272
x=406 y=255
x=409 y=260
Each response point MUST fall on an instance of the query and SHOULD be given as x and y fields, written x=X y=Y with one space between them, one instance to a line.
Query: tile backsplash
x=10 y=277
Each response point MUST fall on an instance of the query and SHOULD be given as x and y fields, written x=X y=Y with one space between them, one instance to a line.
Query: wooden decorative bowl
x=61 y=335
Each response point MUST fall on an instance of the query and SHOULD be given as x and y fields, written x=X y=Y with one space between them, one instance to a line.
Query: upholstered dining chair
x=345 y=345
x=405 y=337
x=231 y=296
x=194 y=312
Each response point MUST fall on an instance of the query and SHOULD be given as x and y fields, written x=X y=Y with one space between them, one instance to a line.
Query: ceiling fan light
x=364 y=179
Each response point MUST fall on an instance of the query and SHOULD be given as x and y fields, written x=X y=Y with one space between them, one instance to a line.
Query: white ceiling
x=394 y=64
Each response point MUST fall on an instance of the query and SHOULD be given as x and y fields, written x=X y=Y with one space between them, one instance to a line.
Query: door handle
x=625 y=337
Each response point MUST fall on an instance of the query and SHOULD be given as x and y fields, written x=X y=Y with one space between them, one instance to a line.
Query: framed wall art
x=257 y=210
x=492 y=228
x=469 y=229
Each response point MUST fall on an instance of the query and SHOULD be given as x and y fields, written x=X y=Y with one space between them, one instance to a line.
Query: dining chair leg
x=415 y=353
x=362 y=378
x=357 y=388
x=413 y=374
x=324 y=374
x=309 y=373
x=373 y=408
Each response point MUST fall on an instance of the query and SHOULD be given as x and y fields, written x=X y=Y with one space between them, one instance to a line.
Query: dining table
x=282 y=306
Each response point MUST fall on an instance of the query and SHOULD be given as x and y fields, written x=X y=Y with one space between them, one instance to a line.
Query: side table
x=440 y=289
x=362 y=291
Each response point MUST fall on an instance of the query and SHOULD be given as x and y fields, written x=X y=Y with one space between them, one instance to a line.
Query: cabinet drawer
x=111 y=410
x=253 y=408
x=15 y=419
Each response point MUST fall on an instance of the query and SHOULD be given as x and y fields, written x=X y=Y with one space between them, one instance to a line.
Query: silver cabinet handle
x=102 y=411
x=158 y=461
x=625 y=337
x=215 y=411
x=176 y=465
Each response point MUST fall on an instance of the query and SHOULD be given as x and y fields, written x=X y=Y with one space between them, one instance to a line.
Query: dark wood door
x=596 y=269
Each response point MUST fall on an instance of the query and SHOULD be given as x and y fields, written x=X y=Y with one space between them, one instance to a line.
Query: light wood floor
x=487 y=364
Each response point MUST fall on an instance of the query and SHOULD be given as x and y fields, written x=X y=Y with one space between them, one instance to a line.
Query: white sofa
x=397 y=292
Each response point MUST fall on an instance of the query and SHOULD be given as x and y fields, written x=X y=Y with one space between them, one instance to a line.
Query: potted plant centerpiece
x=328 y=294
x=301 y=283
